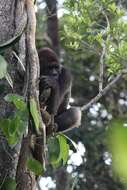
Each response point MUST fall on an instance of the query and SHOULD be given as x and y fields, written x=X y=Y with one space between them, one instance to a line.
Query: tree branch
x=104 y=90
x=34 y=67
x=101 y=75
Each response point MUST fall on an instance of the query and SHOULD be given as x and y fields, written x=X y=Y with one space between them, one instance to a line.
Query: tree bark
x=52 y=24
x=62 y=179
x=8 y=155
x=13 y=16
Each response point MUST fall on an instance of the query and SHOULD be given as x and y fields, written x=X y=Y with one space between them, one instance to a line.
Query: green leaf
x=22 y=126
x=72 y=142
x=112 y=7
x=14 y=127
x=9 y=184
x=34 y=113
x=35 y=166
x=9 y=128
x=3 y=67
x=53 y=150
x=17 y=100
x=64 y=148
x=65 y=153
x=58 y=150
x=14 y=123
x=13 y=139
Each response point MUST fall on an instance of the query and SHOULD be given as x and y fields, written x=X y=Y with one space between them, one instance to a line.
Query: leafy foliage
x=85 y=29
x=14 y=126
x=17 y=100
x=89 y=26
x=9 y=184
x=34 y=113
x=35 y=166
x=58 y=150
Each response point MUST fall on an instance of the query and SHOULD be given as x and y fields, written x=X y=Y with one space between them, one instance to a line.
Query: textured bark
x=62 y=180
x=13 y=16
x=24 y=178
x=7 y=12
x=8 y=155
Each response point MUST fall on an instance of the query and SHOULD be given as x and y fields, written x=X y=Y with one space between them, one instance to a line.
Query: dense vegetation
x=93 y=44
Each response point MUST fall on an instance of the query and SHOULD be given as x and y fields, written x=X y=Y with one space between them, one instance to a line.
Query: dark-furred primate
x=57 y=81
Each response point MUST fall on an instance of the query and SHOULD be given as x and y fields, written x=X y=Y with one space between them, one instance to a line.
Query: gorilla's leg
x=69 y=119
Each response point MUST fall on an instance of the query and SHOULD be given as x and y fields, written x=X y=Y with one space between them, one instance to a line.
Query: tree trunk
x=52 y=24
x=13 y=18
x=8 y=155
x=62 y=179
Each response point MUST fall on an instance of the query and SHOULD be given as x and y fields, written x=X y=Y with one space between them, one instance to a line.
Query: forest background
x=91 y=40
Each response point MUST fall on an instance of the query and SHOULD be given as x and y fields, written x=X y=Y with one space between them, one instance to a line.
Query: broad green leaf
x=58 y=150
x=17 y=100
x=53 y=150
x=3 y=67
x=12 y=129
x=64 y=148
x=112 y=7
x=35 y=166
x=65 y=153
x=14 y=123
x=23 y=122
x=22 y=126
x=9 y=184
x=13 y=139
x=73 y=143
x=7 y=125
x=34 y=113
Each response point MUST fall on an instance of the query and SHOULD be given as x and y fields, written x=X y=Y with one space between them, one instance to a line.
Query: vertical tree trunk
x=8 y=155
x=52 y=24
x=62 y=179
x=13 y=18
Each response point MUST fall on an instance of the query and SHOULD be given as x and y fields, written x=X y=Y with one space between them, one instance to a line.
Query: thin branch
x=107 y=20
x=101 y=74
x=3 y=180
x=19 y=60
x=104 y=91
